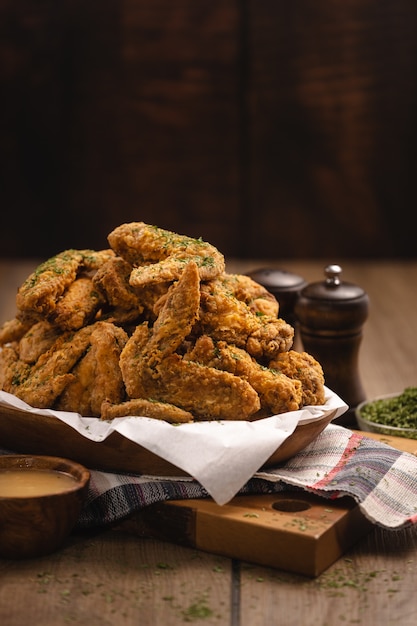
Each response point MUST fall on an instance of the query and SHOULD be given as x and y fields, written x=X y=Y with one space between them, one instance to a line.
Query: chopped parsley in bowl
x=394 y=414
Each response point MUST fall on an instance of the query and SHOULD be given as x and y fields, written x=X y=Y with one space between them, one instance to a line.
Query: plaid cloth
x=381 y=479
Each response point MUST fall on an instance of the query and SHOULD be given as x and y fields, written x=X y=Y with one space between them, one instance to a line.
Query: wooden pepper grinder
x=331 y=315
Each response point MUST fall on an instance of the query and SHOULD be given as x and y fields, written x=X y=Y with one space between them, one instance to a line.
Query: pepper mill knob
x=332 y=274
x=331 y=315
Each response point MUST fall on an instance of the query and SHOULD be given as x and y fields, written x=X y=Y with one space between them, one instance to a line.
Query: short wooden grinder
x=331 y=315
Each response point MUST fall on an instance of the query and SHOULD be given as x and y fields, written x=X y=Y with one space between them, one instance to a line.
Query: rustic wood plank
x=133 y=581
x=119 y=112
x=264 y=127
x=373 y=584
x=332 y=93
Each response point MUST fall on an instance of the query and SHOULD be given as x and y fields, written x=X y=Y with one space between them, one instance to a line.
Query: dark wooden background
x=269 y=128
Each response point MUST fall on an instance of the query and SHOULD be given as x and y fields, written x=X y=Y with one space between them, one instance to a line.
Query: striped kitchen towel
x=381 y=479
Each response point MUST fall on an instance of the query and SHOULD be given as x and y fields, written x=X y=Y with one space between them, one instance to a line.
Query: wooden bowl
x=40 y=502
x=32 y=433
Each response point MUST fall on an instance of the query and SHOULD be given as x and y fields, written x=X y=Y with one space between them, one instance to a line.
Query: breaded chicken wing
x=259 y=300
x=207 y=393
x=50 y=374
x=13 y=371
x=159 y=255
x=277 y=392
x=305 y=368
x=178 y=315
x=146 y=408
x=131 y=359
x=146 y=347
x=41 y=290
x=14 y=329
x=225 y=318
x=37 y=340
x=97 y=376
x=112 y=280
x=78 y=305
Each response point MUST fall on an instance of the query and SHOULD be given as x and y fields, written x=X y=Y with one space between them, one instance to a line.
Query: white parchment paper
x=221 y=455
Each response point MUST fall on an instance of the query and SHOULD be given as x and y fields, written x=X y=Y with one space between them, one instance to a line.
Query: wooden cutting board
x=294 y=531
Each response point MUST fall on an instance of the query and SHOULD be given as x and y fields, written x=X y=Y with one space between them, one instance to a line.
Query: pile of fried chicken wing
x=153 y=326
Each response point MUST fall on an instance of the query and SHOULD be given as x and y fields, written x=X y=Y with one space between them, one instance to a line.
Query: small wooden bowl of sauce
x=40 y=501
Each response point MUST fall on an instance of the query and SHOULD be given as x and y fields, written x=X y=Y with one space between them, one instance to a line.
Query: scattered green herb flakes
x=337 y=581
x=197 y=610
x=399 y=411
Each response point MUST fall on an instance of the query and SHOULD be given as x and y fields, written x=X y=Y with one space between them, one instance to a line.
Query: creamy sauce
x=26 y=483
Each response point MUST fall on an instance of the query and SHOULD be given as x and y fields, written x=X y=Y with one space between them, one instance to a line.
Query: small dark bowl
x=36 y=525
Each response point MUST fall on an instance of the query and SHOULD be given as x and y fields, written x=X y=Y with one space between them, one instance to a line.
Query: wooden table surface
x=109 y=576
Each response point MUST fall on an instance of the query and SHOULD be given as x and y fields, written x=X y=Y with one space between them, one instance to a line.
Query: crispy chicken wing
x=159 y=255
x=13 y=371
x=37 y=340
x=51 y=373
x=97 y=376
x=305 y=368
x=78 y=305
x=14 y=329
x=277 y=392
x=172 y=326
x=39 y=293
x=146 y=408
x=259 y=300
x=112 y=280
x=208 y=393
x=225 y=318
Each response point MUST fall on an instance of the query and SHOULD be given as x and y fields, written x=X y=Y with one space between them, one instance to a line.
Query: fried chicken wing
x=277 y=392
x=179 y=313
x=159 y=255
x=225 y=318
x=305 y=368
x=112 y=280
x=146 y=408
x=37 y=340
x=50 y=375
x=146 y=348
x=131 y=361
x=13 y=371
x=78 y=305
x=39 y=293
x=97 y=376
x=259 y=300
x=207 y=393
x=13 y=330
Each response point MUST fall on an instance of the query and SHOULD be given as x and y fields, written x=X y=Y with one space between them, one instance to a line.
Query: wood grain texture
x=348 y=592
x=332 y=109
x=126 y=112
x=267 y=128
x=133 y=582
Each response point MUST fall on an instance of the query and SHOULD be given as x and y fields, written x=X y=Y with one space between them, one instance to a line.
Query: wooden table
x=112 y=577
